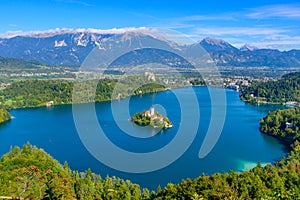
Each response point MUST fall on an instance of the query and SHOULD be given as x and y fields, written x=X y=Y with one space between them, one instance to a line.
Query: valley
x=46 y=76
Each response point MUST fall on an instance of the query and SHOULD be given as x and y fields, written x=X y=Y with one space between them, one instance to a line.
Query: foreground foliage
x=31 y=173
x=279 y=181
x=269 y=182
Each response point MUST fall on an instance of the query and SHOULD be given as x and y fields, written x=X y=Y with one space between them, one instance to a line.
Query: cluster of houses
x=292 y=104
x=3 y=85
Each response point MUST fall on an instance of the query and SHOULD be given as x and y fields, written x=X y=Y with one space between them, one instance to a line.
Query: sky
x=261 y=23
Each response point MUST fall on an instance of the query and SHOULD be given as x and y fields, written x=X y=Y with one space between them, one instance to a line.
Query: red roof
x=147 y=112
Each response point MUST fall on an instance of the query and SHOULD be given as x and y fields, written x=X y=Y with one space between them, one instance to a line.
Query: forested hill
x=33 y=93
x=18 y=63
x=4 y=115
x=283 y=90
x=282 y=124
x=31 y=173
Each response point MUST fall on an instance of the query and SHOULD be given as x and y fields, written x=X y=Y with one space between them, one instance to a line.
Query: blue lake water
x=239 y=147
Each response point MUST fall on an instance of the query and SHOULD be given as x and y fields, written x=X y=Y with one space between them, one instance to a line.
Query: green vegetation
x=284 y=90
x=282 y=124
x=4 y=115
x=140 y=119
x=33 y=93
x=149 y=88
x=156 y=120
x=31 y=173
x=279 y=181
x=18 y=63
x=270 y=182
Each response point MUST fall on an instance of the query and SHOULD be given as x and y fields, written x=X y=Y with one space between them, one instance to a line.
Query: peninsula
x=4 y=115
x=154 y=119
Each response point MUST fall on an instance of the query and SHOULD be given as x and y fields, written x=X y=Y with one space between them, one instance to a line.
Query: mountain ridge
x=70 y=48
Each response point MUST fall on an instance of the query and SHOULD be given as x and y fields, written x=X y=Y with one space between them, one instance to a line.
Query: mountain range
x=71 y=49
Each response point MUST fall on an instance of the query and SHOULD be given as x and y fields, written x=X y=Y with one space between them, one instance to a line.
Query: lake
x=239 y=147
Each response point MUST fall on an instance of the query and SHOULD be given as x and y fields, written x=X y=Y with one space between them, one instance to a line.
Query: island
x=152 y=118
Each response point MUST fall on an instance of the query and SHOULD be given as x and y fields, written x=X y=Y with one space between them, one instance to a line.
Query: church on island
x=149 y=117
x=150 y=113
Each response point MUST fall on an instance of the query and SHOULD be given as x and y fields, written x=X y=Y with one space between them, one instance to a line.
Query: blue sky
x=263 y=23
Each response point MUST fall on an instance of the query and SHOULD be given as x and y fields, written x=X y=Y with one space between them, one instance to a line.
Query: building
x=152 y=111
x=150 y=76
x=49 y=103
x=289 y=125
x=3 y=85
x=147 y=113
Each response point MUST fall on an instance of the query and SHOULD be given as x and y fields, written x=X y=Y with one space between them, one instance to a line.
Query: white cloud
x=271 y=11
x=237 y=31
x=56 y=31
x=283 y=42
x=10 y=34
x=74 y=2
x=256 y=36
x=225 y=16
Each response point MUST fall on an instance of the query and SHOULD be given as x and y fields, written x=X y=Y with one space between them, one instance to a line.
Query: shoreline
x=175 y=88
x=269 y=103
x=286 y=143
x=112 y=99
x=282 y=140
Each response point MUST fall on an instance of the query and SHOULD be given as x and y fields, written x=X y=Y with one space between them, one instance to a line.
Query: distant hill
x=283 y=90
x=282 y=124
x=18 y=63
x=71 y=48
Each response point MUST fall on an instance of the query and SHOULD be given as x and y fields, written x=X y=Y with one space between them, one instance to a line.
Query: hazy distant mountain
x=60 y=49
x=248 y=47
x=71 y=48
x=216 y=45
x=224 y=54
